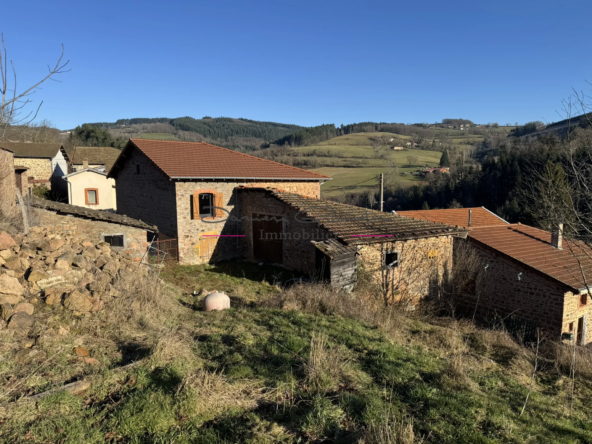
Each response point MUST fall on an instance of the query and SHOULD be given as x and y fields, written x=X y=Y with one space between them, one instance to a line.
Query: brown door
x=268 y=245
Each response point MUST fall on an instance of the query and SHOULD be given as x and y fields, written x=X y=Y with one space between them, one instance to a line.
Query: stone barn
x=336 y=242
x=188 y=190
x=531 y=278
x=46 y=163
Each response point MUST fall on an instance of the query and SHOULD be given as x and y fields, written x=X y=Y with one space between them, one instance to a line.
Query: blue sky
x=305 y=62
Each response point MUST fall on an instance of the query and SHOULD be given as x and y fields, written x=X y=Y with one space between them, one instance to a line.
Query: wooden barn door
x=268 y=245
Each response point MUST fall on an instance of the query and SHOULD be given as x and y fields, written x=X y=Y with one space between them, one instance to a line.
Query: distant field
x=347 y=180
x=355 y=164
x=156 y=136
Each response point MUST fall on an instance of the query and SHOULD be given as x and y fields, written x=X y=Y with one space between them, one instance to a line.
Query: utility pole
x=381 y=191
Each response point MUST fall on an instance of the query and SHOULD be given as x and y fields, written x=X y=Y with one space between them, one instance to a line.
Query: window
x=206 y=204
x=583 y=299
x=138 y=170
x=91 y=196
x=115 y=240
x=391 y=259
x=571 y=326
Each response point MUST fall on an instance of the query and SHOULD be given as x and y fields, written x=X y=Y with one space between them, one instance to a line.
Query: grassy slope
x=356 y=150
x=248 y=375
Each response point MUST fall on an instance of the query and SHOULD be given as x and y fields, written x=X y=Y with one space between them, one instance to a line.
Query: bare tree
x=13 y=107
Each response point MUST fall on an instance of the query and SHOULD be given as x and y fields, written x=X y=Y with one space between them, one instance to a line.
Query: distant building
x=46 y=162
x=91 y=188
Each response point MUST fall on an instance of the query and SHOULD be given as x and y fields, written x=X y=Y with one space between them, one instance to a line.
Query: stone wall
x=39 y=169
x=298 y=251
x=422 y=265
x=148 y=195
x=193 y=248
x=135 y=238
x=509 y=288
x=573 y=309
x=7 y=184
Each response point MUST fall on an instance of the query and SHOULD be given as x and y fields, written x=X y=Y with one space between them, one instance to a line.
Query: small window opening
x=391 y=259
x=92 y=197
x=206 y=204
x=115 y=240
x=584 y=299
x=571 y=326
x=137 y=169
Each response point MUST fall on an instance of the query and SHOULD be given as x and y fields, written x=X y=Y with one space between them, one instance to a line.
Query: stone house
x=91 y=188
x=46 y=163
x=333 y=241
x=7 y=183
x=22 y=179
x=188 y=190
x=529 y=274
x=120 y=232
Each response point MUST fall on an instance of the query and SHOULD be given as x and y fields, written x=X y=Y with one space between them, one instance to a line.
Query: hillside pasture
x=156 y=136
x=349 y=180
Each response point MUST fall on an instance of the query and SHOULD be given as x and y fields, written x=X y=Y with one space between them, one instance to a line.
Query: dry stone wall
x=94 y=231
x=38 y=169
x=43 y=271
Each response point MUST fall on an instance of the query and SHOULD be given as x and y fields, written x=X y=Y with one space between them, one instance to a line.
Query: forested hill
x=240 y=134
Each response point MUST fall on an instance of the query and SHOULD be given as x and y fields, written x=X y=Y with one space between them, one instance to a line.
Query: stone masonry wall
x=191 y=250
x=7 y=184
x=298 y=251
x=573 y=309
x=531 y=296
x=135 y=238
x=422 y=264
x=39 y=169
x=148 y=196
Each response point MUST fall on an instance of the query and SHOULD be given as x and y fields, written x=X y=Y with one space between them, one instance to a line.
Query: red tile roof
x=532 y=247
x=190 y=160
x=480 y=217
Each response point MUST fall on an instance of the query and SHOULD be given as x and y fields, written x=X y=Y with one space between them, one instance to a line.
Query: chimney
x=557 y=237
x=470 y=215
x=85 y=164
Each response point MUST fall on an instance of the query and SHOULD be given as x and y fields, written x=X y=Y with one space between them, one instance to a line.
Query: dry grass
x=391 y=430
x=208 y=394
x=326 y=367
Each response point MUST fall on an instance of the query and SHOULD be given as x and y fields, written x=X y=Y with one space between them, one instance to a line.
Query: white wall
x=90 y=179
x=59 y=165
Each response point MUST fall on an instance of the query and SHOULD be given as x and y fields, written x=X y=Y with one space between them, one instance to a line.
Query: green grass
x=361 y=179
x=259 y=374
x=156 y=136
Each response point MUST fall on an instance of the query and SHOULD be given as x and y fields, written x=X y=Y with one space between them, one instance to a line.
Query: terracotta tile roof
x=101 y=155
x=38 y=150
x=189 y=160
x=89 y=213
x=357 y=226
x=532 y=247
x=480 y=217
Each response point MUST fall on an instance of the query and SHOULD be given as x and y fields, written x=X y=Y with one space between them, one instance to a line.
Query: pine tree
x=425 y=206
x=444 y=160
